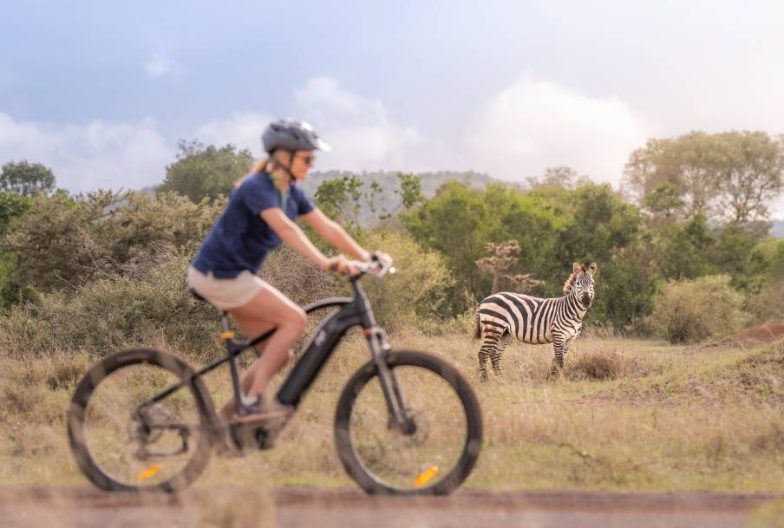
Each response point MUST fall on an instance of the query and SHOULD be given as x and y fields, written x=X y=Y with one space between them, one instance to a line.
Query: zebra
x=556 y=320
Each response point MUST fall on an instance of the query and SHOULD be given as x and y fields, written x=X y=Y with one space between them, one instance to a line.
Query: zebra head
x=582 y=287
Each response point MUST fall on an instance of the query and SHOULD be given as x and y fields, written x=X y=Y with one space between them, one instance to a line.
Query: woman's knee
x=297 y=318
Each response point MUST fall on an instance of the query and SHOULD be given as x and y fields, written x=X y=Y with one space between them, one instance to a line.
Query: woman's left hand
x=341 y=266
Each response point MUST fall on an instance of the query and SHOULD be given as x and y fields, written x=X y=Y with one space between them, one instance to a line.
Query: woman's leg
x=229 y=408
x=268 y=309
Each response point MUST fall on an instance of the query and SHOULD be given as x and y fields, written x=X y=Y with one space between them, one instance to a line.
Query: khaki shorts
x=225 y=294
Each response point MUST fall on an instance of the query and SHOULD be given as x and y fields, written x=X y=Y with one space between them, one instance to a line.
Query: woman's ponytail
x=260 y=166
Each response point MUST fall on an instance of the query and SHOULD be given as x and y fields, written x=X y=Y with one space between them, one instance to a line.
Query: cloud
x=359 y=129
x=241 y=130
x=522 y=130
x=532 y=125
x=160 y=65
x=90 y=156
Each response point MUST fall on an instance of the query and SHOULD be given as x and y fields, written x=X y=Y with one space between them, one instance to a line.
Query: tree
x=732 y=252
x=26 y=179
x=503 y=265
x=339 y=198
x=410 y=189
x=206 y=172
x=730 y=176
x=664 y=202
x=767 y=289
x=373 y=191
x=11 y=206
x=767 y=259
x=682 y=166
x=599 y=222
x=626 y=287
x=751 y=175
x=683 y=249
x=560 y=177
x=459 y=221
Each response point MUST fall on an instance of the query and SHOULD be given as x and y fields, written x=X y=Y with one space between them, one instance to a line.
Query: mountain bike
x=406 y=422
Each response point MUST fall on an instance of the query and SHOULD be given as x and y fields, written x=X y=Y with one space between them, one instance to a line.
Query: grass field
x=628 y=415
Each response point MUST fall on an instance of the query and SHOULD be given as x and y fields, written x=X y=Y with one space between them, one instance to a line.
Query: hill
x=777 y=229
x=388 y=200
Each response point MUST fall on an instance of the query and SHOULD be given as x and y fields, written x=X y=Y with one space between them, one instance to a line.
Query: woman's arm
x=293 y=236
x=334 y=235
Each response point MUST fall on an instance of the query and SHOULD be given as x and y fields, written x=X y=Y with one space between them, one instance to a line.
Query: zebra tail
x=477 y=328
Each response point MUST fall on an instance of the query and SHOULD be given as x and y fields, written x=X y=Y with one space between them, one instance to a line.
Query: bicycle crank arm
x=143 y=454
x=183 y=430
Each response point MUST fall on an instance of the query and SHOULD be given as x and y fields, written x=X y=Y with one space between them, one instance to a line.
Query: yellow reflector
x=426 y=476
x=149 y=472
x=227 y=335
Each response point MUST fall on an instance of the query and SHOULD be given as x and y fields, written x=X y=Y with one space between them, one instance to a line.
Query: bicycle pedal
x=254 y=435
x=229 y=449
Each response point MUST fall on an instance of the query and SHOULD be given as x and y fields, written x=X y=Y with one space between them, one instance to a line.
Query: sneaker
x=262 y=410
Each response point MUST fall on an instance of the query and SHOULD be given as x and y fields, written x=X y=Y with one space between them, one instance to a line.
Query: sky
x=102 y=91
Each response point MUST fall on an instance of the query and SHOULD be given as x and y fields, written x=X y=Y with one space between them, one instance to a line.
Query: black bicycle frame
x=354 y=311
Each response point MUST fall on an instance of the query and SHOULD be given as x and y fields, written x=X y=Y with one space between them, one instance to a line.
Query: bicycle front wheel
x=122 y=440
x=434 y=458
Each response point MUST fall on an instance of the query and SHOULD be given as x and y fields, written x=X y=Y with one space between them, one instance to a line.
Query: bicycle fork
x=390 y=386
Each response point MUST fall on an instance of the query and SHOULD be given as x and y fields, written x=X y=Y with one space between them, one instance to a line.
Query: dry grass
x=627 y=415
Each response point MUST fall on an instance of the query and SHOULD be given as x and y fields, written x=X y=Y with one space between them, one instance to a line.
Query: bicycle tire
x=86 y=388
x=347 y=452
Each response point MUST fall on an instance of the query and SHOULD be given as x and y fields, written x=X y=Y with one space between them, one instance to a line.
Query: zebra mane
x=567 y=288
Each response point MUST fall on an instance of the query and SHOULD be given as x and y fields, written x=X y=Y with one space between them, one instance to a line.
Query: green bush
x=205 y=172
x=150 y=309
x=690 y=311
x=415 y=294
x=768 y=303
x=144 y=302
x=62 y=243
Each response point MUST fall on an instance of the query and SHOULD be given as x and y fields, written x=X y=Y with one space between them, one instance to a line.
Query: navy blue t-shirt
x=240 y=239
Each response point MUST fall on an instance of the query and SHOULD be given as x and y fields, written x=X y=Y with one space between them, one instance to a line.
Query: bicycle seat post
x=225 y=321
x=227 y=335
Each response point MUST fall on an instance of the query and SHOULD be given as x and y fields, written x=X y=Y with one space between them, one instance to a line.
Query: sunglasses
x=308 y=159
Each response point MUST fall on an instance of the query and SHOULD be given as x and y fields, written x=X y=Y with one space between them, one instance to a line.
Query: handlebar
x=374 y=266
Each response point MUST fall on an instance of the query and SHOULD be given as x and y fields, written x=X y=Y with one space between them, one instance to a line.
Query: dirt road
x=299 y=507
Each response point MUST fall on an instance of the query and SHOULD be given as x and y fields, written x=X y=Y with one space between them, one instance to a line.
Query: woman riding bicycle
x=261 y=213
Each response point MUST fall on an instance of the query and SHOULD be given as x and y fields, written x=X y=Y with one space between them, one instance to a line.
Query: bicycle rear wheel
x=433 y=459
x=123 y=446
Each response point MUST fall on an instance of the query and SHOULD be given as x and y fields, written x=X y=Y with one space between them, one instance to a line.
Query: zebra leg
x=495 y=357
x=488 y=351
x=567 y=345
x=483 y=355
x=559 y=349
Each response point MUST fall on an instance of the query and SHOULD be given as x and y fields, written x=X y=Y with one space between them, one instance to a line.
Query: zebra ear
x=592 y=269
x=577 y=267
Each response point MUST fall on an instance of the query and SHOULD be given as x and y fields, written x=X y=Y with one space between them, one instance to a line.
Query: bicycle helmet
x=290 y=134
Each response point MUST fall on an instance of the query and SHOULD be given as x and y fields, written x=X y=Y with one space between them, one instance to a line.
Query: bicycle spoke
x=134 y=451
x=409 y=460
